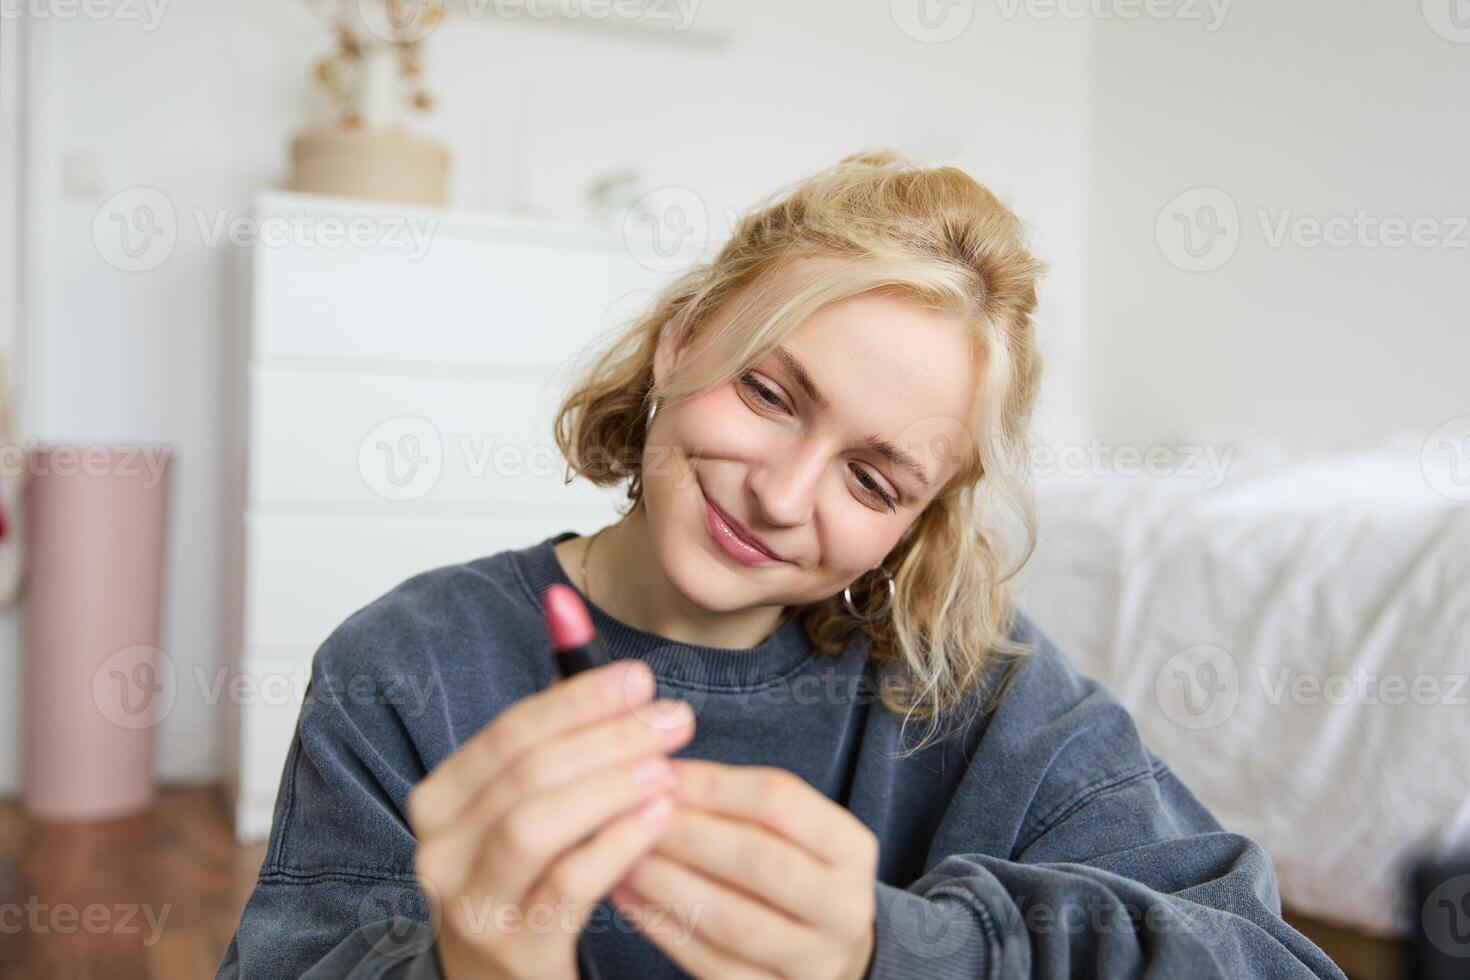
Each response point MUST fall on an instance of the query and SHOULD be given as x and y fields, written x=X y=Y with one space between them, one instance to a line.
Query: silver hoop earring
x=888 y=605
x=651 y=410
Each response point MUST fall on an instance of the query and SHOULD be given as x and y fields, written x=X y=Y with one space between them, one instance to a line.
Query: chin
x=702 y=577
x=693 y=564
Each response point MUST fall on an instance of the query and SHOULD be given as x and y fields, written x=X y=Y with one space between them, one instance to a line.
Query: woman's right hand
x=534 y=819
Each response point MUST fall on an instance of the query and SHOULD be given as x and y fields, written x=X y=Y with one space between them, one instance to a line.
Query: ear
x=665 y=355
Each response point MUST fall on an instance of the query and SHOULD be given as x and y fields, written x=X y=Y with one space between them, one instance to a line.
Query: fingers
x=589 y=872
x=735 y=924
x=782 y=801
x=662 y=726
x=520 y=847
x=758 y=861
x=536 y=936
x=566 y=705
x=566 y=763
x=691 y=953
x=506 y=857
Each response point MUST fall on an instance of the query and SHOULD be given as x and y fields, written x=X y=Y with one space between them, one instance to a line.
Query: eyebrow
x=876 y=443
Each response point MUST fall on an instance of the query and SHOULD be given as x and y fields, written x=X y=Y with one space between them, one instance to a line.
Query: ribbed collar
x=684 y=663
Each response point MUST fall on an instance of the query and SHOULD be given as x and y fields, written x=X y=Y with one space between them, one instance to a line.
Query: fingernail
x=656 y=811
x=671 y=713
x=633 y=682
x=650 y=770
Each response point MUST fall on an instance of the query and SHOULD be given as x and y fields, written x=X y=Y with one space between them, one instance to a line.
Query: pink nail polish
x=650 y=770
x=657 y=811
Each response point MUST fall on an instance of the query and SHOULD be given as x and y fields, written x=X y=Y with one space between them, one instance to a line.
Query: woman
x=820 y=432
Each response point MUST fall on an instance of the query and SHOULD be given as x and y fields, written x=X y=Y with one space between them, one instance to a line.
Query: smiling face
x=821 y=451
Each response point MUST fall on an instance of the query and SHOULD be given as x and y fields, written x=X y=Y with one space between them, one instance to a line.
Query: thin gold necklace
x=586 y=583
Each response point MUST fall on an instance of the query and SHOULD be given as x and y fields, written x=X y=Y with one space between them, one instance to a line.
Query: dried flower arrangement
x=396 y=32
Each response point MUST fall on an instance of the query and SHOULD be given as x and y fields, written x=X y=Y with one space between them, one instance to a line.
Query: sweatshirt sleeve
x=336 y=895
x=316 y=911
x=1109 y=866
x=1180 y=898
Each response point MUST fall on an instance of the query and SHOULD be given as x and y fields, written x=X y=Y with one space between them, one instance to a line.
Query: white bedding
x=1296 y=591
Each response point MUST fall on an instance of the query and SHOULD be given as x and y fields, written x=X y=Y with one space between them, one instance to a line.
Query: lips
x=740 y=530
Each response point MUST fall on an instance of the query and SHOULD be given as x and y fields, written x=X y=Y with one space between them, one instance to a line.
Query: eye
x=873 y=489
x=869 y=485
x=761 y=391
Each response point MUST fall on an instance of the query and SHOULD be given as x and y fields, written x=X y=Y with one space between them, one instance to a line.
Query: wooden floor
x=158 y=895
x=1360 y=957
x=150 y=896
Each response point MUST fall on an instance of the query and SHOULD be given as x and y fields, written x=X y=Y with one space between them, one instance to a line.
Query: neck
x=627 y=580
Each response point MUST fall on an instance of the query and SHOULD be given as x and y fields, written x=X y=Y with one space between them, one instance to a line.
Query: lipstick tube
x=573 y=637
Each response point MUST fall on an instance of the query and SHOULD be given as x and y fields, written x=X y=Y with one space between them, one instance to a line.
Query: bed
x=1294 y=640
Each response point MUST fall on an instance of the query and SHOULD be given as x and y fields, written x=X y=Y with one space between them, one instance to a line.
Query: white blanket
x=1294 y=642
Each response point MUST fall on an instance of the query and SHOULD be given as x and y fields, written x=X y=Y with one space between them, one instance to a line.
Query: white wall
x=202 y=108
x=1314 y=108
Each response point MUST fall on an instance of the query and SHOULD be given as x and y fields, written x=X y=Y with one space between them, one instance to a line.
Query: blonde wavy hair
x=939 y=238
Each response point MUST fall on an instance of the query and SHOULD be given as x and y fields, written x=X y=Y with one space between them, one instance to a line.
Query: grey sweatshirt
x=1041 y=840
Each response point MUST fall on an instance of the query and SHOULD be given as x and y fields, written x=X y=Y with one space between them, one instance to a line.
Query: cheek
x=719 y=425
x=854 y=548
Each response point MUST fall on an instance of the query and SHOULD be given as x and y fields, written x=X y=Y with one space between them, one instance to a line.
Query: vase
x=380 y=165
x=96 y=685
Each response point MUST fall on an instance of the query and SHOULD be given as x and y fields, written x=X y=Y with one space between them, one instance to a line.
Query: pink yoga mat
x=95 y=685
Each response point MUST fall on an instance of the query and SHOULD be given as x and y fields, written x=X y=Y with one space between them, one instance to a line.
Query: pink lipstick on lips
x=573 y=636
x=731 y=541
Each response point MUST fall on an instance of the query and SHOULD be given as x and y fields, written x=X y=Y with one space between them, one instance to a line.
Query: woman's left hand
x=759 y=875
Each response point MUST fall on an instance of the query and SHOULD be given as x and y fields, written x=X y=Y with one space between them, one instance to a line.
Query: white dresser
x=394 y=386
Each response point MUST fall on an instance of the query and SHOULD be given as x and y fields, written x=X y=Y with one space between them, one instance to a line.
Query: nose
x=785 y=485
